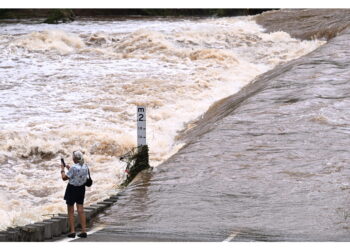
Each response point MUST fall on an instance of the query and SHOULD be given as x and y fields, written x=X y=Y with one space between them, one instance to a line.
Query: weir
x=203 y=73
x=274 y=168
x=178 y=75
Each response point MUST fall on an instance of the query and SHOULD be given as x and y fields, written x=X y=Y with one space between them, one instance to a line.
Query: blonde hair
x=78 y=156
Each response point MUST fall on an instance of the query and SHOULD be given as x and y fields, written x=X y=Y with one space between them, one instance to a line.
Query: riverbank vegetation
x=65 y=15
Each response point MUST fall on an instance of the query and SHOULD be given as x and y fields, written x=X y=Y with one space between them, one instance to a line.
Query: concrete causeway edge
x=56 y=226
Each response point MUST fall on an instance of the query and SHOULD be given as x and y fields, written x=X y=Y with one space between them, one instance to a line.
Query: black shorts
x=74 y=194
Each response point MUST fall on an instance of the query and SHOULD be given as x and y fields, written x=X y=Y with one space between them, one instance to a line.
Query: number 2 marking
x=141 y=117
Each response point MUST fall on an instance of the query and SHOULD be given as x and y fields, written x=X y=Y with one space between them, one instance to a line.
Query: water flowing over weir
x=274 y=167
x=77 y=87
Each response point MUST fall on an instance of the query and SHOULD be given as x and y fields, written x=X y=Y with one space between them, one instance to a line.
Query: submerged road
x=275 y=168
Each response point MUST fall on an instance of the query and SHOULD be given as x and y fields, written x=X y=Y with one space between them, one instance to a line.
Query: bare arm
x=63 y=174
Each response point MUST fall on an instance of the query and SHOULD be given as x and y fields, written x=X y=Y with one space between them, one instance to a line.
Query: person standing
x=75 y=192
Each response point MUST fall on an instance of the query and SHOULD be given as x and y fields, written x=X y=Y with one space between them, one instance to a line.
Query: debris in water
x=137 y=160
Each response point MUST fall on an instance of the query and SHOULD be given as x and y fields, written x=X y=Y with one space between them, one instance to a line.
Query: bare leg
x=71 y=218
x=82 y=217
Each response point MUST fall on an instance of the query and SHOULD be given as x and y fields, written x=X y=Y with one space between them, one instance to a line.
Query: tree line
x=63 y=15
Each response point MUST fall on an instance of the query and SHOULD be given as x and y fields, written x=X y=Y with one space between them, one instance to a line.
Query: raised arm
x=63 y=174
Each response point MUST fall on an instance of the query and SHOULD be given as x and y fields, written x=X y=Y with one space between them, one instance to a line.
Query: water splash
x=77 y=88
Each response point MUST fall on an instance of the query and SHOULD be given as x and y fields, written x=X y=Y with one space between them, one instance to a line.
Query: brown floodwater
x=76 y=86
x=270 y=163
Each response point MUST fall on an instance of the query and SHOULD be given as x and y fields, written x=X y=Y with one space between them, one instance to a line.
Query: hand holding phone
x=63 y=163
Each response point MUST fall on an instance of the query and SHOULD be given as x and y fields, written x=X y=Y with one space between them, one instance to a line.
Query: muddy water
x=76 y=86
x=275 y=167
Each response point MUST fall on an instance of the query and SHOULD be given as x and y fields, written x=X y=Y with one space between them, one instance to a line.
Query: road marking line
x=94 y=230
x=231 y=236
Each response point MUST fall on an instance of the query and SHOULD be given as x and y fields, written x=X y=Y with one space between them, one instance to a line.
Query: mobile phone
x=63 y=163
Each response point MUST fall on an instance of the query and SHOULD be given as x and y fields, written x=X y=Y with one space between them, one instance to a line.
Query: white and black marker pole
x=141 y=126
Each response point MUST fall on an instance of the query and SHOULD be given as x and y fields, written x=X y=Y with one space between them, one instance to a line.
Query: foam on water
x=78 y=87
x=49 y=40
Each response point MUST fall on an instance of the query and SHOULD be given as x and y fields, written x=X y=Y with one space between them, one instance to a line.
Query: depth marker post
x=141 y=126
x=137 y=160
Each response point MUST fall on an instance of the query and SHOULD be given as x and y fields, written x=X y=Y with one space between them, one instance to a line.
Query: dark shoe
x=71 y=235
x=82 y=235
